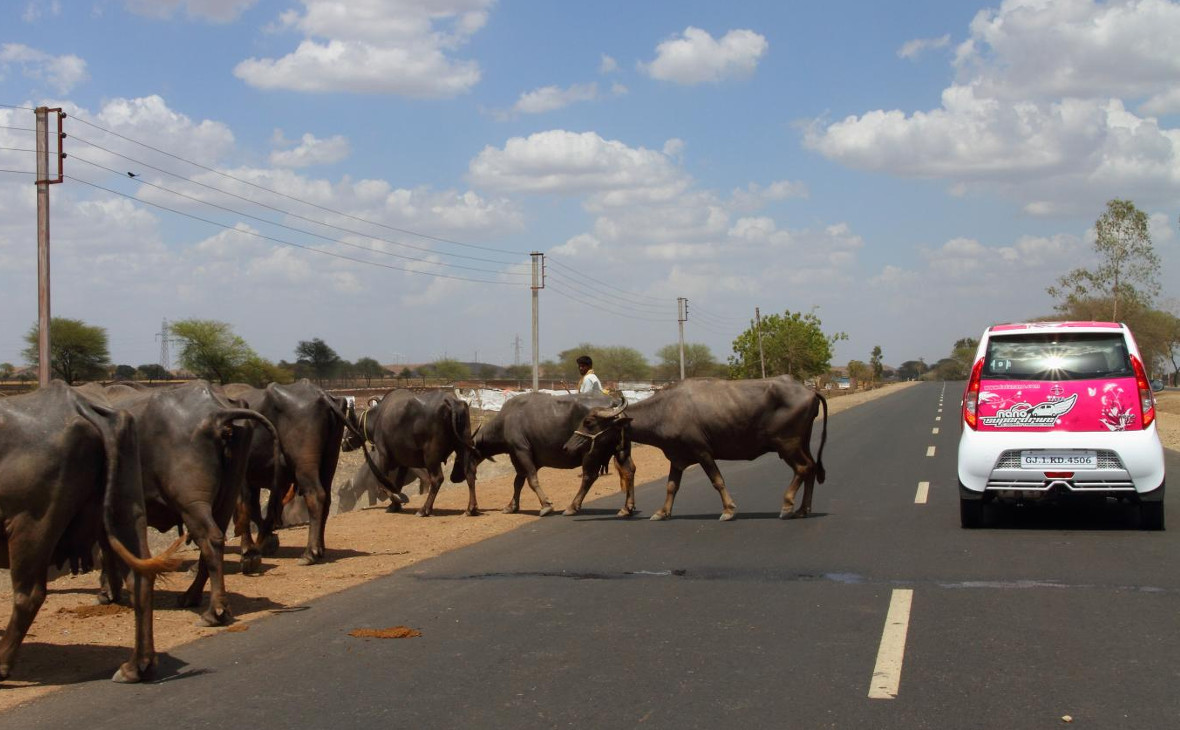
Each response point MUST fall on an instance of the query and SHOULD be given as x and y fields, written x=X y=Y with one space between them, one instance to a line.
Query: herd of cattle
x=96 y=465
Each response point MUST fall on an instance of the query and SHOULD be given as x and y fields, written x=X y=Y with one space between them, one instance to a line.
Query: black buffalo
x=411 y=430
x=194 y=446
x=69 y=476
x=700 y=420
x=533 y=429
x=310 y=424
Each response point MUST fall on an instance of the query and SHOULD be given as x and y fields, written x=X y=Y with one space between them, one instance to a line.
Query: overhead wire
x=555 y=260
x=282 y=241
x=291 y=197
x=293 y=228
x=601 y=307
x=284 y=211
x=583 y=289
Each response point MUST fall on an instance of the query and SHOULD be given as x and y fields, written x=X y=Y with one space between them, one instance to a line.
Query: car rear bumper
x=1130 y=463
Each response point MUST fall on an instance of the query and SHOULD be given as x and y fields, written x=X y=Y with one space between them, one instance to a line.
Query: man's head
x=584 y=364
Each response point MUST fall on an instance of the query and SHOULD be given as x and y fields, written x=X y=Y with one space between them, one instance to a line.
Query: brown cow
x=69 y=475
x=700 y=420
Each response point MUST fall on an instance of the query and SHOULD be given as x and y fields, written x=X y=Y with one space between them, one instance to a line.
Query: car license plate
x=1059 y=459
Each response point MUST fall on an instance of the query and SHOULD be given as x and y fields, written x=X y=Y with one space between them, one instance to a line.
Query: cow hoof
x=270 y=545
x=214 y=618
x=473 y=513
x=570 y=512
x=306 y=559
x=394 y=506
x=624 y=513
x=250 y=563
x=726 y=516
x=399 y=497
x=126 y=674
x=796 y=515
x=105 y=599
x=422 y=513
x=510 y=509
x=658 y=516
x=5 y=670
x=547 y=509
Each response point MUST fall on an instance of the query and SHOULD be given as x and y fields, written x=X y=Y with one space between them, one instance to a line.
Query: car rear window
x=1057 y=356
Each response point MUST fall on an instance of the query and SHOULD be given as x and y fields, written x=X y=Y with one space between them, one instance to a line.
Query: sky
x=376 y=174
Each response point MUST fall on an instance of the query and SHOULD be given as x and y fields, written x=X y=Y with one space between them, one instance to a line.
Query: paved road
x=593 y=622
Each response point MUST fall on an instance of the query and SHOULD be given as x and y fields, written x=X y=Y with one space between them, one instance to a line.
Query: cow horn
x=615 y=411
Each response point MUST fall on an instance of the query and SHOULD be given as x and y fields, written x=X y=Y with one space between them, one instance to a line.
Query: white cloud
x=696 y=57
x=1038 y=111
x=551 y=98
x=310 y=150
x=1029 y=49
x=914 y=48
x=218 y=11
x=370 y=46
x=35 y=10
x=572 y=163
x=60 y=73
x=1165 y=102
x=150 y=120
x=607 y=65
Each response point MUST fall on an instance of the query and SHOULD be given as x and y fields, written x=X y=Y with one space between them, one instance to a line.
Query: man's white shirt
x=590 y=383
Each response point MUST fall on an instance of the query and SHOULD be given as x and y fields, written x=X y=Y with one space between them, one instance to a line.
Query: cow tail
x=236 y=414
x=461 y=425
x=122 y=452
x=820 y=474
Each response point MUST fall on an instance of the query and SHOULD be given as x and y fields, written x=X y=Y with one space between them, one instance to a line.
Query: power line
x=291 y=197
x=582 y=275
x=284 y=242
x=292 y=228
x=602 y=308
x=281 y=210
x=624 y=304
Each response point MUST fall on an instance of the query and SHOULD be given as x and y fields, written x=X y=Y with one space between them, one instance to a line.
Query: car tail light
x=1146 y=397
x=1059 y=475
x=971 y=397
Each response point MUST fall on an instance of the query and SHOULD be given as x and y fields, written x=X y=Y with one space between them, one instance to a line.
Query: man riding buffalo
x=701 y=420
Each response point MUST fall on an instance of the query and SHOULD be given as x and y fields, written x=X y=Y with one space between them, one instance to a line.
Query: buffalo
x=310 y=424
x=194 y=446
x=69 y=476
x=700 y=420
x=533 y=429
x=411 y=430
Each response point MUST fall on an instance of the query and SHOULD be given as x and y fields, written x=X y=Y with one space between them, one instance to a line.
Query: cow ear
x=622 y=420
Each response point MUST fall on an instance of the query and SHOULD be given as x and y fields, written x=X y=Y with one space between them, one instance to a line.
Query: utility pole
x=516 y=348
x=538 y=285
x=43 y=183
x=758 y=329
x=681 y=316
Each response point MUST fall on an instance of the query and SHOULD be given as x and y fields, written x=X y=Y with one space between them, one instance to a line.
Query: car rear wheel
x=1151 y=515
x=970 y=513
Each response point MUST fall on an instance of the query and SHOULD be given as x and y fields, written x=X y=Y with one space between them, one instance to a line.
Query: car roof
x=1049 y=326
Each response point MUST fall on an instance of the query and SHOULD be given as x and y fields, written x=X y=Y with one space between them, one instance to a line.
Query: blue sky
x=910 y=172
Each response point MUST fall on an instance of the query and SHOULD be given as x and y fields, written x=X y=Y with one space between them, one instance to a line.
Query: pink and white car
x=1055 y=410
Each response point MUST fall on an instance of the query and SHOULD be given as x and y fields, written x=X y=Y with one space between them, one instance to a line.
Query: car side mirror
x=1157 y=385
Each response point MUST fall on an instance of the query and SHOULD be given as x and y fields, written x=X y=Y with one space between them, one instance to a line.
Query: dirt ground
x=73 y=640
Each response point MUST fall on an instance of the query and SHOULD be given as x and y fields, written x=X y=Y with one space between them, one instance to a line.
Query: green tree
x=319 y=357
x=859 y=371
x=368 y=368
x=519 y=372
x=77 y=351
x=260 y=372
x=210 y=350
x=613 y=362
x=153 y=371
x=6 y=370
x=124 y=372
x=698 y=362
x=447 y=369
x=1127 y=268
x=875 y=363
x=793 y=343
x=488 y=371
x=912 y=369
